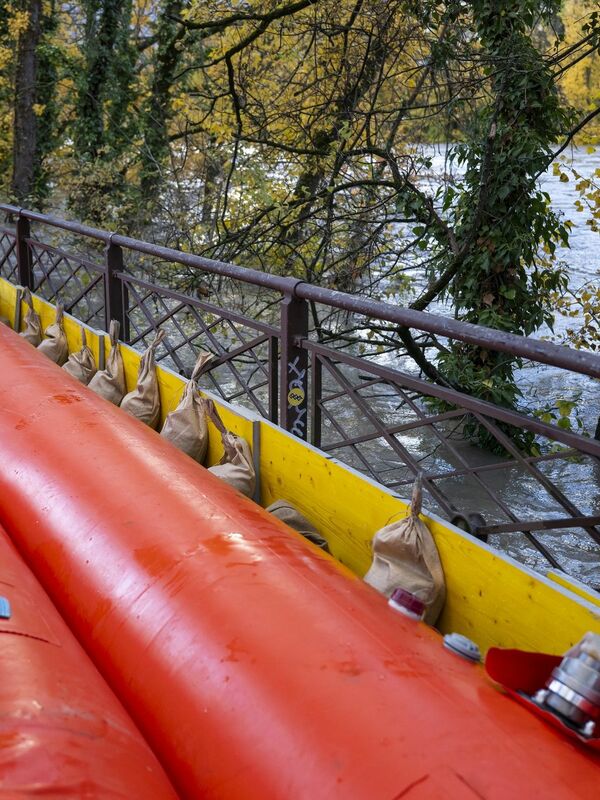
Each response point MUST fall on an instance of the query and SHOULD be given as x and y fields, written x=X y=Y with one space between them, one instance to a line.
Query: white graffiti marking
x=299 y=420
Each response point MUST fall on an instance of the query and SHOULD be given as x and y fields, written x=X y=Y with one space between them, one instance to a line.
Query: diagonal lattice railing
x=390 y=424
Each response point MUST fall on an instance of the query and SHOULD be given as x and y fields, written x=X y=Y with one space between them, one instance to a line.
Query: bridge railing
x=376 y=414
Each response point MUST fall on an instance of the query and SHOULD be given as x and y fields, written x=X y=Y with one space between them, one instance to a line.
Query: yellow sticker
x=295 y=396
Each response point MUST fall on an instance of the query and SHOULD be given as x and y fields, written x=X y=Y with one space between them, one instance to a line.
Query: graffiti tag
x=296 y=397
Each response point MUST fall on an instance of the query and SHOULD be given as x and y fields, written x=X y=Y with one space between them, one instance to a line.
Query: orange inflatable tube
x=255 y=665
x=63 y=734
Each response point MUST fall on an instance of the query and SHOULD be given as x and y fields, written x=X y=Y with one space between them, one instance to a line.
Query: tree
x=25 y=106
x=102 y=131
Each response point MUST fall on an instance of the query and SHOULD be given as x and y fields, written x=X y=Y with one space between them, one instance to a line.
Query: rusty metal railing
x=376 y=417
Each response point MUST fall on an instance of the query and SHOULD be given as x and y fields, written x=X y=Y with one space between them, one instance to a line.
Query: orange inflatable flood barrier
x=63 y=734
x=255 y=665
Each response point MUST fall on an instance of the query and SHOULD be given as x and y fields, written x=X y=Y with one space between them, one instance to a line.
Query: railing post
x=273 y=358
x=316 y=394
x=115 y=292
x=293 y=369
x=24 y=270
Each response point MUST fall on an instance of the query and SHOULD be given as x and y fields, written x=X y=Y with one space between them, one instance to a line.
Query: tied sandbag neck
x=416 y=500
x=33 y=324
x=215 y=418
x=147 y=362
x=201 y=363
x=113 y=332
x=227 y=437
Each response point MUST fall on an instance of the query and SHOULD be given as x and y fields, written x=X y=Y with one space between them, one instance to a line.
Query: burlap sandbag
x=33 y=324
x=143 y=402
x=236 y=467
x=405 y=556
x=55 y=345
x=109 y=383
x=288 y=513
x=186 y=426
x=81 y=365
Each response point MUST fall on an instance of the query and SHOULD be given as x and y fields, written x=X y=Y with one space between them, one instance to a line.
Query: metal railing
x=375 y=417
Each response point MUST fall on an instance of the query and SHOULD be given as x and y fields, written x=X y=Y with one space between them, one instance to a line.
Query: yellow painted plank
x=8 y=297
x=500 y=603
x=490 y=598
x=575 y=586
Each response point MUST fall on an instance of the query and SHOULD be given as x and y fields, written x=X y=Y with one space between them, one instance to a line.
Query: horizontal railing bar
x=245 y=274
x=492 y=339
x=57 y=222
x=540 y=525
x=581 y=443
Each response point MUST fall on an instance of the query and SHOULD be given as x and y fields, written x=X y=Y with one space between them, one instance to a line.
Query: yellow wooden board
x=490 y=597
x=575 y=586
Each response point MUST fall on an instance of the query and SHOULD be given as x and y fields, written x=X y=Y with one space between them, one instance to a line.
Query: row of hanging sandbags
x=404 y=552
x=186 y=427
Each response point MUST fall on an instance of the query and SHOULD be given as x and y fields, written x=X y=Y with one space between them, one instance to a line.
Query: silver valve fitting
x=573 y=690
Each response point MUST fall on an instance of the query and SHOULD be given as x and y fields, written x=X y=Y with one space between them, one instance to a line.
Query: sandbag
x=81 y=365
x=55 y=345
x=186 y=426
x=288 y=513
x=236 y=467
x=143 y=402
x=110 y=383
x=33 y=323
x=405 y=556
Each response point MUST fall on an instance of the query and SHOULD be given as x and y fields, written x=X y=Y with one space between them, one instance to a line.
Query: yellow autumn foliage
x=580 y=83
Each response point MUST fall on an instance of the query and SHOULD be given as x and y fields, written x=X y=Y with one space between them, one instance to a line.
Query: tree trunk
x=104 y=22
x=158 y=108
x=25 y=120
